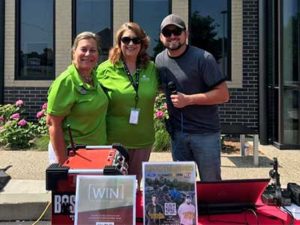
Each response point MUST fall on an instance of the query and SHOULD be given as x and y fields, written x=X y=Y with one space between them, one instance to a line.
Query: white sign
x=105 y=200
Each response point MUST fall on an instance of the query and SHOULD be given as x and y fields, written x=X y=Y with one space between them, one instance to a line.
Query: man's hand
x=180 y=100
x=218 y=95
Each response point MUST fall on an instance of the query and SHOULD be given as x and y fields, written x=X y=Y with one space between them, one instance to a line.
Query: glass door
x=273 y=110
x=290 y=72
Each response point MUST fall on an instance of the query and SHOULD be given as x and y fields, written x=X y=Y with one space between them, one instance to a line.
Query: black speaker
x=294 y=190
x=4 y=177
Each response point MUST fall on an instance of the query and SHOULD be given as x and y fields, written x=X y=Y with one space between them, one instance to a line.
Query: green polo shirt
x=121 y=96
x=83 y=106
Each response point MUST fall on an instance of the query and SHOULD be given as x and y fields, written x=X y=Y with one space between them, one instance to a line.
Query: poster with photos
x=170 y=193
x=105 y=200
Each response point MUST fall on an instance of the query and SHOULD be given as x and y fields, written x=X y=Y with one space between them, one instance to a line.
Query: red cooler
x=83 y=160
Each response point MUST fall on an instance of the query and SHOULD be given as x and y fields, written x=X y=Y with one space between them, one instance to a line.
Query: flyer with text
x=105 y=200
x=170 y=193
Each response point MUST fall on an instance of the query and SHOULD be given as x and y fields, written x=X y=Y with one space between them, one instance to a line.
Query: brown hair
x=115 y=53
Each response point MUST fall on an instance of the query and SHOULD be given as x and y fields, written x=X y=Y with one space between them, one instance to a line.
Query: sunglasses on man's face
x=127 y=40
x=168 y=32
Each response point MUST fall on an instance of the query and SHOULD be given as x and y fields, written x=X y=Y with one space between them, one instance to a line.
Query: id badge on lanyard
x=134 y=116
x=134 y=112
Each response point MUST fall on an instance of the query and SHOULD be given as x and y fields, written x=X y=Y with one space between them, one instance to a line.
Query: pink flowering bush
x=41 y=126
x=15 y=131
x=19 y=103
x=159 y=114
x=22 y=123
x=40 y=114
x=15 y=116
x=162 y=138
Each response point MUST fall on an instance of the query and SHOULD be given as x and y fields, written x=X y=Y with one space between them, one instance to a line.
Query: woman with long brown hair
x=130 y=79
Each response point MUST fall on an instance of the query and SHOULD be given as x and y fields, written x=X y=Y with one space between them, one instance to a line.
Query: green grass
x=41 y=143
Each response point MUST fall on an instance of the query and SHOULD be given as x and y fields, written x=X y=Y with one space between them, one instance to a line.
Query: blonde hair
x=115 y=53
x=86 y=35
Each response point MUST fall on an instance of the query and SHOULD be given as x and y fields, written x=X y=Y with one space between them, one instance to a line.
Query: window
x=1 y=50
x=210 y=29
x=95 y=16
x=290 y=71
x=149 y=14
x=35 y=40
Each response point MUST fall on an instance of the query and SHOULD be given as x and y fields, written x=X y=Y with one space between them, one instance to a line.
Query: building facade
x=255 y=42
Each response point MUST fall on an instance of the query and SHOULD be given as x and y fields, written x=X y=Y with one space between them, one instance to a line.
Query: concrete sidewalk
x=25 y=196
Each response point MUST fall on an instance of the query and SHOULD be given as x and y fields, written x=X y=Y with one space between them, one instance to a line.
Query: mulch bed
x=233 y=147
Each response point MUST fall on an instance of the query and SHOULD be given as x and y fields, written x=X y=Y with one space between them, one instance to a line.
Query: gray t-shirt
x=195 y=71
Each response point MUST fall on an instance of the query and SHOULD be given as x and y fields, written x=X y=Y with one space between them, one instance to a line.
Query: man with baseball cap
x=193 y=105
x=172 y=20
x=187 y=212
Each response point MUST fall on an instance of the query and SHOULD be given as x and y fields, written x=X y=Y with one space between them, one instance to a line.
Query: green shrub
x=162 y=137
x=41 y=126
x=16 y=132
x=162 y=141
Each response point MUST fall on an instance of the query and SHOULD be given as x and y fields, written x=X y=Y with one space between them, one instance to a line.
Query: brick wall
x=243 y=104
x=33 y=97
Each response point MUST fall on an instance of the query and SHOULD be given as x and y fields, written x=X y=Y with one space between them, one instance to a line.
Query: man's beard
x=174 y=47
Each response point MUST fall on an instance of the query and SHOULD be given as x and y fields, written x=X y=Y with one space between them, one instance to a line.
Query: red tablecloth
x=264 y=215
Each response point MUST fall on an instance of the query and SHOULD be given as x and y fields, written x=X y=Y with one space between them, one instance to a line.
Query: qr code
x=105 y=223
x=170 y=209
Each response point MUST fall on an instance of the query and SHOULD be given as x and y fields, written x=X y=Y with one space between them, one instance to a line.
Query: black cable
x=254 y=213
x=271 y=217
x=181 y=122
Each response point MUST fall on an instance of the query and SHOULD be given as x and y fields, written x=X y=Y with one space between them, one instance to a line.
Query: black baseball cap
x=172 y=19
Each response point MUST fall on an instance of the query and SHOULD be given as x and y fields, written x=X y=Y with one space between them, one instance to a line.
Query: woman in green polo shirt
x=130 y=79
x=76 y=99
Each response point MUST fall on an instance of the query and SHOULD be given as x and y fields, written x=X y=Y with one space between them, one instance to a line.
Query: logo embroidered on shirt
x=145 y=78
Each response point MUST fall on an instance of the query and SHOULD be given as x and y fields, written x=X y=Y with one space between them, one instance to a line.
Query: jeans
x=204 y=149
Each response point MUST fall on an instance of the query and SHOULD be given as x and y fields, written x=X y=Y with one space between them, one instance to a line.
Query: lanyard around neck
x=134 y=83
